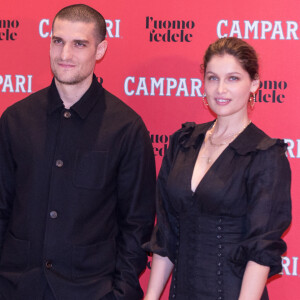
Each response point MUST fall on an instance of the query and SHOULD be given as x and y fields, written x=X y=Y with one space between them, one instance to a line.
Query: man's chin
x=68 y=81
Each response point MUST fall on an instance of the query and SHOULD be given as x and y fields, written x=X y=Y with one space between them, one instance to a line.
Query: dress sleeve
x=164 y=236
x=268 y=210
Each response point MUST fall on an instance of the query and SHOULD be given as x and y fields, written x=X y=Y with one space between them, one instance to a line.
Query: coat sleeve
x=269 y=210
x=135 y=210
x=165 y=234
x=7 y=190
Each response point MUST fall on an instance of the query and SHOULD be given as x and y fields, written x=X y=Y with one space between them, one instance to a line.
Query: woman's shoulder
x=254 y=139
x=190 y=133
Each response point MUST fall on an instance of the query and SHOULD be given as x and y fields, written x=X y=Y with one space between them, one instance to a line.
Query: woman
x=223 y=192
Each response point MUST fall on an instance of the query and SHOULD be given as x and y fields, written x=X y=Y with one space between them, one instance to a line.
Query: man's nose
x=66 y=52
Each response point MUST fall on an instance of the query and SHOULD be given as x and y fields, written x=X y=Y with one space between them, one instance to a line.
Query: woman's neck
x=228 y=126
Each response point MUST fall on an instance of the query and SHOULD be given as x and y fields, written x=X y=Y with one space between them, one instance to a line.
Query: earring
x=203 y=99
x=252 y=100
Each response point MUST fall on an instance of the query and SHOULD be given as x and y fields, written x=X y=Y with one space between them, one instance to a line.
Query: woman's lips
x=222 y=101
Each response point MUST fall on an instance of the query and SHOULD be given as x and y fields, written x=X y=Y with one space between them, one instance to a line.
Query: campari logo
x=170 y=31
x=293 y=149
x=258 y=30
x=112 y=28
x=8 y=30
x=163 y=86
x=290 y=266
x=15 y=83
x=272 y=91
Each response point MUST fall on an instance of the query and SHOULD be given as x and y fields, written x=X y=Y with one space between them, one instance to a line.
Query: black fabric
x=77 y=192
x=238 y=212
x=48 y=295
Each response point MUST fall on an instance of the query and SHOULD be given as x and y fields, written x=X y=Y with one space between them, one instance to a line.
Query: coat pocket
x=15 y=253
x=90 y=169
x=94 y=260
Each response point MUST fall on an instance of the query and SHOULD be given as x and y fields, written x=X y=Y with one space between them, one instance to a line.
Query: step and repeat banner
x=153 y=64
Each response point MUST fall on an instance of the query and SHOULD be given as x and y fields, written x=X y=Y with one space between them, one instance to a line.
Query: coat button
x=53 y=214
x=59 y=163
x=48 y=264
x=67 y=114
x=219 y=236
x=219 y=228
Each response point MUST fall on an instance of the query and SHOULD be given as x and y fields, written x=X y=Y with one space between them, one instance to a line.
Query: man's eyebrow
x=81 y=41
x=75 y=41
x=56 y=37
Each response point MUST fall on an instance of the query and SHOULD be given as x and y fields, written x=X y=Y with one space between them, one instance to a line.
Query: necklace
x=232 y=136
x=208 y=159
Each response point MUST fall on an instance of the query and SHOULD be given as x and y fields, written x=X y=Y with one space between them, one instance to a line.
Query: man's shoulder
x=117 y=106
x=28 y=103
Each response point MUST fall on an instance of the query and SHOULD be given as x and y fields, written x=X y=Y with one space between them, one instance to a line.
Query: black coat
x=76 y=197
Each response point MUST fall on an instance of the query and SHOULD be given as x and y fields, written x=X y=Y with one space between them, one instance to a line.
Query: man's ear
x=101 y=49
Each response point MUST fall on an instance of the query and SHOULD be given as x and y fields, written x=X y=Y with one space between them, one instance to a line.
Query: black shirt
x=77 y=195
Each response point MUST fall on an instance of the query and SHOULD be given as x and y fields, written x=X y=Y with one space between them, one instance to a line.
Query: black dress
x=238 y=212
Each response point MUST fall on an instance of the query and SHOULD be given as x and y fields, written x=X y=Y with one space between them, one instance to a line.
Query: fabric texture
x=77 y=197
x=238 y=212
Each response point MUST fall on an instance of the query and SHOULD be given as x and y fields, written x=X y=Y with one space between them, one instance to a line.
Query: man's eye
x=79 y=44
x=57 y=41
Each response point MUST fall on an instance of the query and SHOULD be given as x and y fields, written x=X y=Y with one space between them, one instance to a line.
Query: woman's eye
x=212 y=78
x=233 y=78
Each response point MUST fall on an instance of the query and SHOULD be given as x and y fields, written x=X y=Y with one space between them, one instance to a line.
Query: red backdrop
x=153 y=64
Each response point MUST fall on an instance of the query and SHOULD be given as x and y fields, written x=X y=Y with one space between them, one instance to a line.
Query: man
x=77 y=179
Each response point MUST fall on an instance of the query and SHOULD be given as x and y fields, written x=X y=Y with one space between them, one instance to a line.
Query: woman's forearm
x=254 y=281
x=161 y=269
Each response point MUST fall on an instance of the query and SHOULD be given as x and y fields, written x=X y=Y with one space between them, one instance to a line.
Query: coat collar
x=250 y=140
x=83 y=106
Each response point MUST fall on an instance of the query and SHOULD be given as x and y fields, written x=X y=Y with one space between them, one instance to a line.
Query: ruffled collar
x=250 y=140
x=192 y=134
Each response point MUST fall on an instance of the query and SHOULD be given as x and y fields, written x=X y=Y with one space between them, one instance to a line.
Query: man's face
x=74 y=51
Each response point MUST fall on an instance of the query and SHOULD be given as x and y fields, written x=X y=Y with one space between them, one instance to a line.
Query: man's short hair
x=86 y=14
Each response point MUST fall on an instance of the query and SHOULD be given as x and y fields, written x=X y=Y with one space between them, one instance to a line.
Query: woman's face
x=228 y=86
